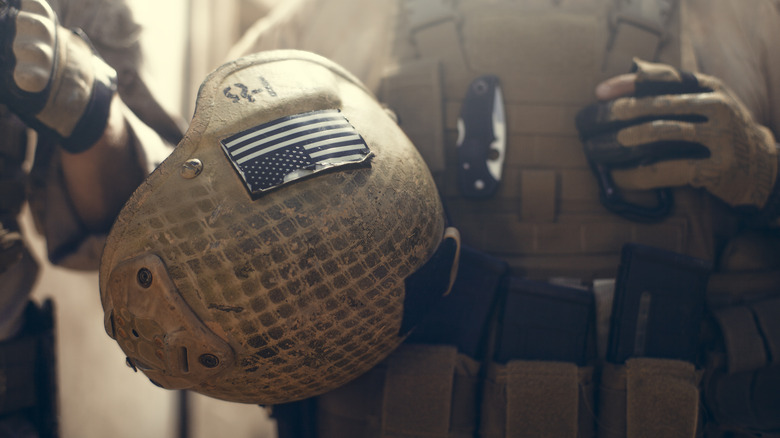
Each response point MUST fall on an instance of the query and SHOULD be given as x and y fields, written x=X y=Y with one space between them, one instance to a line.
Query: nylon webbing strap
x=749 y=400
x=662 y=398
x=418 y=391
x=422 y=13
x=725 y=289
x=639 y=28
x=767 y=319
x=744 y=348
x=414 y=93
x=441 y=41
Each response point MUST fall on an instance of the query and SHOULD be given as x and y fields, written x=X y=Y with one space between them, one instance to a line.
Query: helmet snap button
x=144 y=277
x=208 y=360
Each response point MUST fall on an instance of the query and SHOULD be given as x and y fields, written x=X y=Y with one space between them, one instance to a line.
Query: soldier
x=99 y=133
x=619 y=269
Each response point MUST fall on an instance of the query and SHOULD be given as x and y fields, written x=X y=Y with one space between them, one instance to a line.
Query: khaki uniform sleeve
x=152 y=130
x=68 y=242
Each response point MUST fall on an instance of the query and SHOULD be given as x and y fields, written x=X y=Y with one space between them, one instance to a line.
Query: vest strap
x=414 y=92
x=638 y=29
x=751 y=335
x=742 y=338
x=423 y=13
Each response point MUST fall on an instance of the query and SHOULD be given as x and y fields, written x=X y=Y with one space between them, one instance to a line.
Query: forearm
x=100 y=179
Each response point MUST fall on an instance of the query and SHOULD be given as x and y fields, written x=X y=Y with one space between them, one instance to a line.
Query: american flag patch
x=293 y=147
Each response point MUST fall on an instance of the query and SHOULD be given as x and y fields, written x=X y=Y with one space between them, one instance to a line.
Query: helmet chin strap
x=434 y=280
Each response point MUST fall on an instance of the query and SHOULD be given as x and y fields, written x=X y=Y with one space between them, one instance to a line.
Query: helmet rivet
x=144 y=277
x=208 y=360
x=191 y=168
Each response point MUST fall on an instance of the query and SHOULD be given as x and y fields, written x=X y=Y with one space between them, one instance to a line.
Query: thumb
x=615 y=87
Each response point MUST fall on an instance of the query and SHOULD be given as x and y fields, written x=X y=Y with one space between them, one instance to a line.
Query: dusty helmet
x=284 y=247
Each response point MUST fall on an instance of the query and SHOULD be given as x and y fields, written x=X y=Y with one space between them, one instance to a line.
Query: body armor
x=545 y=219
x=545 y=222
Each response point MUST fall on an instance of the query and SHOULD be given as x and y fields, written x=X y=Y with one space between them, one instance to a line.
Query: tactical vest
x=546 y=222
x=545 y=218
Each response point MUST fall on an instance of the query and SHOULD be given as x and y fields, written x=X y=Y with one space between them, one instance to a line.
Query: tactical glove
x=51 y=77
x=682 y=129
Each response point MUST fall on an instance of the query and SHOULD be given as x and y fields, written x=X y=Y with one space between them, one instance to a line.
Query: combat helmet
x=285 y=247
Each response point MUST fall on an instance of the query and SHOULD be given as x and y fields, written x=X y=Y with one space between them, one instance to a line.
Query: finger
x=33 y=49
x=615 y=156
x=646 y=143
x=40 y=7
x=614 y=115
x=34 y=25
x=659 y=130
x=618 y=86
x=654 y=79
x=691 y=107
x=660 y=175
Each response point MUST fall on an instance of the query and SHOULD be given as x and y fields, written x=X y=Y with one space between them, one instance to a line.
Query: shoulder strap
x=640 y=28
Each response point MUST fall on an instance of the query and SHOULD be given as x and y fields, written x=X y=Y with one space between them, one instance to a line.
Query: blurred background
x=99 y=395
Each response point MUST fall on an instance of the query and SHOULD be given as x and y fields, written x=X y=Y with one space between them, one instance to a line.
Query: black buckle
x=612 y=199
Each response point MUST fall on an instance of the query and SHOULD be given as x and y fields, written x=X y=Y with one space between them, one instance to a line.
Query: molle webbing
x=416 y=89
x=546 y=218
x=537 y=399
x=649 y=398
x=419 y=391
x=641 y=29
x=751 y=334
x=428 y=391
x=747 y=401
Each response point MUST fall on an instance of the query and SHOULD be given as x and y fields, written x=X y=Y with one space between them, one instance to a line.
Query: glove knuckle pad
x=34 y=64
x=39 y=7
x=32 y=79
x=37 y=27
x=33 y=51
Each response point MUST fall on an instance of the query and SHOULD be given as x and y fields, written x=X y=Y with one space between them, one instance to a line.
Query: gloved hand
x=682 y=129
x=51 y=77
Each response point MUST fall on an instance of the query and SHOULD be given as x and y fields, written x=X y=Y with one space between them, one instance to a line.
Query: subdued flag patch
x=294 y=147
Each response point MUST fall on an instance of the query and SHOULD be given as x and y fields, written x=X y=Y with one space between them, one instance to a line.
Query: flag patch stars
x=293 y=147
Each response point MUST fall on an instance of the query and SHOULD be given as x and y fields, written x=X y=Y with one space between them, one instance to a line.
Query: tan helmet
x=269 y=258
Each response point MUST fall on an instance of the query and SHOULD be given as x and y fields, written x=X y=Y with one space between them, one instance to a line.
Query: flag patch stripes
x=293 y=147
